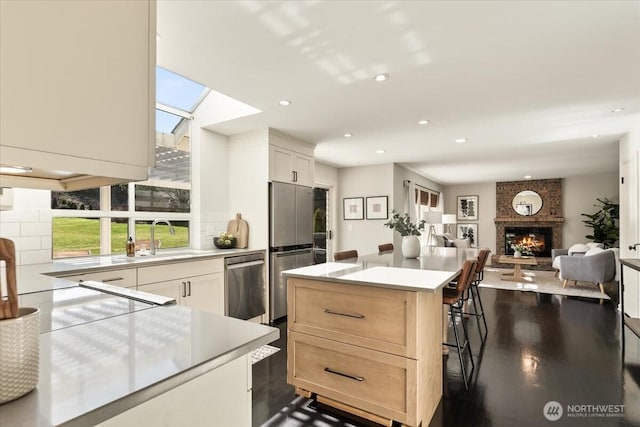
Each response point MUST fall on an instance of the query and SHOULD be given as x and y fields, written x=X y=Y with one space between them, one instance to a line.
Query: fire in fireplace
x=536 y=239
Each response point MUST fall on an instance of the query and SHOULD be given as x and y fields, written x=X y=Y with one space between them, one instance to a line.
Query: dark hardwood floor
x=540 y=348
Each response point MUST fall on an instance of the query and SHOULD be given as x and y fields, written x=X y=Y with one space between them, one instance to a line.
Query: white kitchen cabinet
x=77 y=85
x=196 y=284
x=290 y=160
x=126 y=278
x=221 y=397
x=199 y=292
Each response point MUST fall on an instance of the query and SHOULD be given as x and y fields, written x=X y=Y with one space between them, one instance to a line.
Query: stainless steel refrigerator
x=290 y=238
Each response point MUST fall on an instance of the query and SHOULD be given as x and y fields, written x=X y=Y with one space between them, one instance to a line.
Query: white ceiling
x=527 y=83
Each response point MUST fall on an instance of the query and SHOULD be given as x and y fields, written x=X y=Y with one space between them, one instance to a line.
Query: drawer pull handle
x=353 y=377
x=114 y=279
x=355 y=316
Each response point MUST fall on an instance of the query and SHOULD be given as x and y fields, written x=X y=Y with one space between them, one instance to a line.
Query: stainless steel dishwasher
x=244 y=286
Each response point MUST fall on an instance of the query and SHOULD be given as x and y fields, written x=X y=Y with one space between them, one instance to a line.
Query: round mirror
x=527 y=203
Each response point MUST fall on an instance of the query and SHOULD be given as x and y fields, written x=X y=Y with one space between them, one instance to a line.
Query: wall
x=248 y=183
x=364 y=181
x=28 y=224
x=209 y=186
x=486 y=193
x=579 y=196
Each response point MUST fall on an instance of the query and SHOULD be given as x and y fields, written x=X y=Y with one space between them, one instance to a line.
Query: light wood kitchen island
x=366 y=336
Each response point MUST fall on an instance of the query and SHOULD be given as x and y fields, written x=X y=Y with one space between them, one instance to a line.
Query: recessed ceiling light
x=461 y=140
x=423 y=122
x=595 y=135
x=617 y=110
x=14 y=169
x=527 y=177
x=379 y=151
x=381 y=77
x=284 y=102
x=348 y=135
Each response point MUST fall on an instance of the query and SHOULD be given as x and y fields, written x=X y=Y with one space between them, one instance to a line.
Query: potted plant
x=409 y=231
x=604 y=223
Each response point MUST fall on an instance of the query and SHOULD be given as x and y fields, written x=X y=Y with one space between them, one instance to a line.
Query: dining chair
x=454 y=298
x=385 y=247
x=337 y=256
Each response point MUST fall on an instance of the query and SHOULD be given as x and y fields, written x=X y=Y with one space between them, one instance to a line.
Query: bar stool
x=454 y=298
x=474 y=289
x=338 y=256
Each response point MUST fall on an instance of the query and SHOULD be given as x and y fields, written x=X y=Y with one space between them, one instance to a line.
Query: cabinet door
x=280 y=164
x=206 y=293
x=303 y=169
x=84 y=72
x=172 y=289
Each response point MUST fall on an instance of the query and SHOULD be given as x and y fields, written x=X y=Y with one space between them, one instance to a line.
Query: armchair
x=598 y=268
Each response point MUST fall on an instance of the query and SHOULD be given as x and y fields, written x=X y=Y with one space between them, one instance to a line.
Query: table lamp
x=432 y=218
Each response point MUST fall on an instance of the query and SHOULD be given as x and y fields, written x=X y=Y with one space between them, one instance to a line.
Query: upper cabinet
x=77 y=92
x=290 y=160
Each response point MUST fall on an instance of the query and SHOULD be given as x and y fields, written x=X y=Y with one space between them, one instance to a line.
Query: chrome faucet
x=152 y=244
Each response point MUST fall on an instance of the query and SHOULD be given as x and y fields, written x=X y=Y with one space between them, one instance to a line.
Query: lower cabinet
x=200 y=292
x=196 y=284
x=221 y=397
x=375 y=352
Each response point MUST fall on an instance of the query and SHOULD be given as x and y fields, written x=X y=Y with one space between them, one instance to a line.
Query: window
x=100 y=220
x=427 y=200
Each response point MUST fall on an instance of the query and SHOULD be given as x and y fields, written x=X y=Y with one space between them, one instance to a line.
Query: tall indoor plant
x=604 y=223
x=409 y=232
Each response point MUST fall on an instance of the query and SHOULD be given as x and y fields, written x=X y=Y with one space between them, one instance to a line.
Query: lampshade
x=449 y=218
x=432 y=217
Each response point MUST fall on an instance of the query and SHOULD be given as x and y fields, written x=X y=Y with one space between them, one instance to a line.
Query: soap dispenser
x=131 y=247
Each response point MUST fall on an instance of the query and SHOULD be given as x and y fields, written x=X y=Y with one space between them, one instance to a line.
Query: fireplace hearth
x=537 y=239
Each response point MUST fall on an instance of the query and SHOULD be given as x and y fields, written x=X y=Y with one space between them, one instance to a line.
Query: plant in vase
x=409 y=231
x=519 y=250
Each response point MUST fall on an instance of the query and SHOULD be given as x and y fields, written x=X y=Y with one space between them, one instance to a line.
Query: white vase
x=410 y=246
x=517 y=254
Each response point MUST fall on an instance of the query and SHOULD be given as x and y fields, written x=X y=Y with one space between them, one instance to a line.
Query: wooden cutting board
x=240 y=229
x=9 y=306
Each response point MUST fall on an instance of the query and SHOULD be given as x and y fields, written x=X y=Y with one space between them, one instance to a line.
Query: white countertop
x=101 y=354
x=433 y=269
x=38 y=277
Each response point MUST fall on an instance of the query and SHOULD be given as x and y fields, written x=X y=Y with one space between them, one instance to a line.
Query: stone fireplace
x=538 y=240
x=546 y=224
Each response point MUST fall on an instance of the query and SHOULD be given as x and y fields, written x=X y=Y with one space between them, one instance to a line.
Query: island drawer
x=376 y=382
x=376 y=318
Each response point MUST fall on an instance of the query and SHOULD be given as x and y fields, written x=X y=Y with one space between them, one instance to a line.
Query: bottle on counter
x=131 y=247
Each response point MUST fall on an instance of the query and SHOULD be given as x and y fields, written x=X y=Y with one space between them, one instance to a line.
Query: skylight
x=178 y=92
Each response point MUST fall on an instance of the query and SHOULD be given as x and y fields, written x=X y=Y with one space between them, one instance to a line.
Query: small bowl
x=220 y=244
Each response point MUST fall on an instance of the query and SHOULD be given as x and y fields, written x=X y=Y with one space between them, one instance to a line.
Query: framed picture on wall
x=377 y=207
x=467 y=208
x=353 y=208
x=470 y=232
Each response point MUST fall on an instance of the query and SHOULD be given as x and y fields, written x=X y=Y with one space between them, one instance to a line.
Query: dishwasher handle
x=244 y=264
